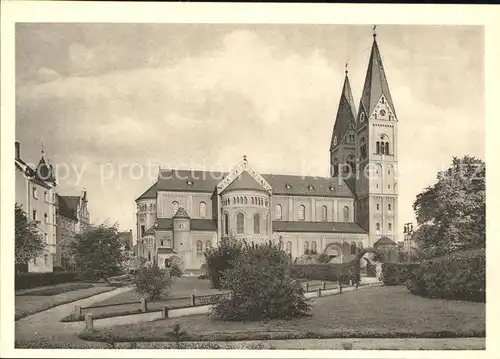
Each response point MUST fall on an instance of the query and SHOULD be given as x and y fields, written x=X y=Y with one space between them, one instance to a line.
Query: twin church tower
x=363 y=150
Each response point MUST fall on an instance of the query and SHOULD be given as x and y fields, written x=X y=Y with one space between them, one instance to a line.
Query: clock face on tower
x=382 y=112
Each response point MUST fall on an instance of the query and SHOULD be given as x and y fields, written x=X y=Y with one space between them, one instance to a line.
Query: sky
x=110 y=103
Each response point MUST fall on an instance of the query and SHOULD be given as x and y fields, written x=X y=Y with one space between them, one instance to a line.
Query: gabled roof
x=324 y=227
x=346 y=113
x=181 y=213
x=375 y=83
x=384 y=241
x=308 y=186
x=189 y=180
x=243 y=182
x=150 y=193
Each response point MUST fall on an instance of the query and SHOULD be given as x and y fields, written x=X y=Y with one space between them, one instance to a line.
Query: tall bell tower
x=376 y=154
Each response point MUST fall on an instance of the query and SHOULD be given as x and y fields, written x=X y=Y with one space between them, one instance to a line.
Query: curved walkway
x=47 y=327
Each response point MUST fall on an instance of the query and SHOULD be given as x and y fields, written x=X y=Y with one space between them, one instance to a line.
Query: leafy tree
x=221 y=258
x=28 y=239
x=98 y=252
x=152 y=281
x=261 y=287
x=451 y=214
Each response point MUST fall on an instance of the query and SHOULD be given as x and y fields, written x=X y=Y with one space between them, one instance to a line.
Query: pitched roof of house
x=149 y=193
x=308 y=186
x=346 y=113
x=376 y=83
x=325 y=227
x=197 y=224
x=65 y=209
x=384 y=241
x=181 y=213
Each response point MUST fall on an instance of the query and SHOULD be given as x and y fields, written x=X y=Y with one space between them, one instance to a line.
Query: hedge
x=33 y=280
x=325 y=271
x=397 y=273
x=460 y=275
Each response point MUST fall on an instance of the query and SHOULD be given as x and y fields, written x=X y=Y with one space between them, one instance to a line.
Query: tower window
x=35 y=196
x=346 y=214
x=387 y=148
x=34 y=214
x=324 y=213
x=377 y=226
x=389 y=206
x=378 y=207
x=278 y=212
x=203 y=210
x=226 y=224
x=378 y=147
x=382 y=99
x=389 y=186
x=302 y=212
x=390 y=226
x=143 y=229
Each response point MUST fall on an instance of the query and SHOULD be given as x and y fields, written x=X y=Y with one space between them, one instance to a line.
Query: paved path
x=47 y=326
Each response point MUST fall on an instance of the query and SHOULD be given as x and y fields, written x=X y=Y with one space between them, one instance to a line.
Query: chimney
x=18 y=150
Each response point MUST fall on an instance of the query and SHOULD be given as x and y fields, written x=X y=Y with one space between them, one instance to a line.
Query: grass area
x=370 y=313
x=69 y=287
x=31 y=304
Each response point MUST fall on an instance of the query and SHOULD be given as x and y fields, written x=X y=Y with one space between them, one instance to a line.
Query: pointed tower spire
x=346 y=113
x=376 y=85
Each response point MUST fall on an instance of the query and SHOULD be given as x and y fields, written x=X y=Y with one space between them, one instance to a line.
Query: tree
x=98 y=251
x=28 y=239
x=221 y=258
x=152 y=281
x=451 y=214
x=261 y=287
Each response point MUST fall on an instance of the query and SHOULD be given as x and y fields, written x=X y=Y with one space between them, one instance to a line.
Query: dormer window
x=310 y=187
x=332 y=188
x=362 y=117
x=288 y=186
x=335 y=140
x=190 y=183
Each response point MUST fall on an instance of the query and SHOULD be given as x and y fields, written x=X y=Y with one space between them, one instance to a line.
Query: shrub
x=221 y=258
x=325 y=271
x=261 y=287
x=152 y=282
x=176 y=266
x=397 y=273
x=459 y=275
x=33 y=280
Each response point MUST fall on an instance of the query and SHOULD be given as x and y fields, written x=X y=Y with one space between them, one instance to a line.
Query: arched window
x=246 y=200
x=168 y=243
x=314 y=247
x=240 y=223
x=324 y=213
x=199 y=247
x=360 y=245
x=390 y=226
x=289 y=247
x=306 y=247
x=282 y=245
x=278 y=212
x=353 y=248
x=208 y=244
x=149 y=256
x=378 y=147
x=253 y=200
x=256 y=223
x=226 y=224
x=302 y=212
x=175 y=207
x=377 y=226
x=389 y=206
x=335 y=164
x=382 y=99
x=203 y=210
x=387 y=148
x=161 y=242
x=346 y=214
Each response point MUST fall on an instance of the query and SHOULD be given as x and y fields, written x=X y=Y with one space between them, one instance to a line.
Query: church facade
x=186 y=212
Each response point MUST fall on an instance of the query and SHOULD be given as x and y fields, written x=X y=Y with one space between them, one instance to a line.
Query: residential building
x=34 y=191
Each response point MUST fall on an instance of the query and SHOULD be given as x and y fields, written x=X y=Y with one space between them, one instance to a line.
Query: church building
x=186 y=211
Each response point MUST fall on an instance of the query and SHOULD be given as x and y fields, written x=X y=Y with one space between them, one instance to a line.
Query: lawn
x=27 y=304
x=67 y=287
x=372 y=312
